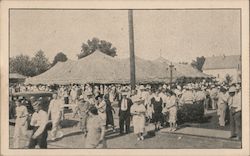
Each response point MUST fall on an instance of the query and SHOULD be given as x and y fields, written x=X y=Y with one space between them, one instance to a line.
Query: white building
x=221 y=66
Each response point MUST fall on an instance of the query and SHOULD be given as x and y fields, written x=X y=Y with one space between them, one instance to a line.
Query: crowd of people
x=95 y=106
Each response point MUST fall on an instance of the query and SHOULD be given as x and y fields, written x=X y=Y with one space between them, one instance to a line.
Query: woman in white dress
x=172 y=108
x=138 y=111
x=21 y=122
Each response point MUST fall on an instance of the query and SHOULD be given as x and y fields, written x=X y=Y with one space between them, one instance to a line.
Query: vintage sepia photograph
x=125 y=78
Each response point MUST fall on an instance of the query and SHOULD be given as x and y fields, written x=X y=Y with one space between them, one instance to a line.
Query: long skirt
x=157 y=117
x=139 y=124
x=172 y=114
x=110 y=119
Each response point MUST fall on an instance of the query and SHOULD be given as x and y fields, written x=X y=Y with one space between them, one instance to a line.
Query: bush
x=191 y=113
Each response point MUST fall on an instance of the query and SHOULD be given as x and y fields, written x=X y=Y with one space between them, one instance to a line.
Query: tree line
x=32 y=66
x=39 y=63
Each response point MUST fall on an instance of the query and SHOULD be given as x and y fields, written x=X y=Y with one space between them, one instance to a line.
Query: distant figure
x=95 y=130
x=66 y=96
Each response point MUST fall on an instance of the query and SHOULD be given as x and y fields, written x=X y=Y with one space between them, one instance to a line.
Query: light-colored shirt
x=138 y=109
x=124 y=104
x=222 y=98
x=73 y=94
x=111 y=97
x=21 y=111
x=39 y=119
x=94 y=127
x=199 y=95
x=187 y=97
x=55 y=107
x=163 y=97
x=213 y=93
x=21 y=114
x=235 y=101
x=102 y=110
x=172 y=102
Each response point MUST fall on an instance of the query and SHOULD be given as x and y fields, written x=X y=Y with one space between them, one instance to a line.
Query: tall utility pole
x=171 y=68
x=131 y=47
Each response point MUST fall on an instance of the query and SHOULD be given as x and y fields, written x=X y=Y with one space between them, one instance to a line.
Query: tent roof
x=101 y=68
x=16 y=76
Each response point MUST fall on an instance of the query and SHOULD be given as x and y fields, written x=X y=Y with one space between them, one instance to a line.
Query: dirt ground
x=73 y=138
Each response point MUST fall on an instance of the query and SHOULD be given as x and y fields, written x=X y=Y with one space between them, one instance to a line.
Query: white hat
x=164 y=86
x=141 y=87
x=88 y=93
x=177 y=92
x=125 y=93
x=81 y=97
x=148 y=86
x=232 y=89
x=237 y=87
x=137 y=99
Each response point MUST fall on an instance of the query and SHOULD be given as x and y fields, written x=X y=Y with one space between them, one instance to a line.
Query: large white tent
x=101 y=68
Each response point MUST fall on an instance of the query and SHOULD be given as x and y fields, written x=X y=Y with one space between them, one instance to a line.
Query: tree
x=27 y=66
x=22 y=64
x=228 y=79
x=198 y=63
x=60 y=57
x=40 y=62
x=94 y=44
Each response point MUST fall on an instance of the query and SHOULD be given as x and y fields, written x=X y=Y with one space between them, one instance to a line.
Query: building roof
x=222 y=62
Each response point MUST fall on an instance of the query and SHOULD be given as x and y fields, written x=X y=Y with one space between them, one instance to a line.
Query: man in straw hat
x=39 y=122
x=234 y=103
x=124 y=112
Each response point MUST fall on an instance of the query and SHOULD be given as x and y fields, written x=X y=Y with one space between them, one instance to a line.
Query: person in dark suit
x=124 y=112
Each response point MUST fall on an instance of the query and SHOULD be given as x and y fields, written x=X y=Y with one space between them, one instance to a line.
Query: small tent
x=16 y=78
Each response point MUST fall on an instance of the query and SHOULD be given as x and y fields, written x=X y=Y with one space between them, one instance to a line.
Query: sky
x=177 y=35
